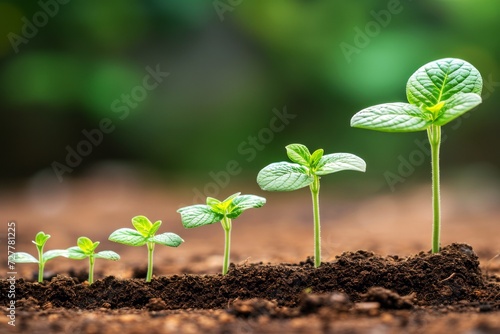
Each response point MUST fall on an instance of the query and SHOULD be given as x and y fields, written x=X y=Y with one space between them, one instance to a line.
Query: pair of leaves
x=86 y=248
x=286 y=176
x=22 y=257
x=40 y=241
x=215 y=210
x=144 y=232
x=438 y=93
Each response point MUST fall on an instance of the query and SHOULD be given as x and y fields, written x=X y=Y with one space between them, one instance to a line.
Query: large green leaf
x=392 y=117
x=298 y=153
x=244 y=202
x=284 y=176
x=142 y=224
x=108 y=255
x=199 y=215
x=167 y=239
x=22 y=257
x=128 y=236
x=439 y=80
x=49 y=255
x=456 y=106
x=337 y=162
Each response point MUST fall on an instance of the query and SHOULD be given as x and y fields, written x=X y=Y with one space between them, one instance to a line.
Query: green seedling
x=86 y=249
x=438 y=93
x=40 y=240
x=306 y=170
x=223 y=211
x=144 y=234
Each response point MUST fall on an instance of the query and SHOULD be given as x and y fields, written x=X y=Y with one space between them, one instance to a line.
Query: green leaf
x=76 y=253
x=456 y=106
x=155 y=228
x=392 y=117
x=298 y=153
x=49 y=255
x=244 y=202
x=224 y=206
x=231 y=198
x=212 y=201
x=167 y=239
x=284 y=176
x=41 y=238
x=336 y=162
x=108 y=255
x=198 y=215
x=439 y=80
x=316 y=157
x=128 y=236
x=86 y=245
x=142 y=225
x=22 y=257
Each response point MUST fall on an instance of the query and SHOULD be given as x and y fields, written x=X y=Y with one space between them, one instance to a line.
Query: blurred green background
x=65 y=66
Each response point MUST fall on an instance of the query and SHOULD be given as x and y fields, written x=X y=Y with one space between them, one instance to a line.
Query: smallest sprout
x=40 y=240
x=85 y=249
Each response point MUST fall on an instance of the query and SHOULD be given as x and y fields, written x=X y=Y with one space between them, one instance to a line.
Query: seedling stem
x=317 y=226
x=226 y=225
x=434 y=133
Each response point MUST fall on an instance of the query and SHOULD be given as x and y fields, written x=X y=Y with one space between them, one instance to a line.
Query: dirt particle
x=370 y=308
x=156 y=304
x=388 y=299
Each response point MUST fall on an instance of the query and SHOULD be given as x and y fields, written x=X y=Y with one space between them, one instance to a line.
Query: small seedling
x=306 y=170
x=85 y=249
x=40 y=240
x=144 y=234
x=438 y=93
x=215 y=210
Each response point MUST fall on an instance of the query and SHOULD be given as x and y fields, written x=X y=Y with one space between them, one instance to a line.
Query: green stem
x=91 y=269
x=434 y=133
x=226 y=225
x=41 y=264
x=151 y=248
x=317 y=227
x=40 y=271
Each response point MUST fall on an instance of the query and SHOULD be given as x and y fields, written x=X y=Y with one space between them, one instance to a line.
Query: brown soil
x=455 y=291
x=359 y=284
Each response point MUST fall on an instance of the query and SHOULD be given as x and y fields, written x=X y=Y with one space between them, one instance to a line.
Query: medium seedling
x=438 y=93
x=144 y=234
x=86 y=249
x=223 y=211
x=306 y=170
x=40 y=240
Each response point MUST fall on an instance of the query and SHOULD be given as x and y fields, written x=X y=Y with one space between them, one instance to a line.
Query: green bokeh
x=226 y=76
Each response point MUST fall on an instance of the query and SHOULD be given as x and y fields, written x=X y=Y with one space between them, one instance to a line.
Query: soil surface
x=272 y=286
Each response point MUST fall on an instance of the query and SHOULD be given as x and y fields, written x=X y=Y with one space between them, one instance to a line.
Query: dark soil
x=267 y=290
x=354 y=284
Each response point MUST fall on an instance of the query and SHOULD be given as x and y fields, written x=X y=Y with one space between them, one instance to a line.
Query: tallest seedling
x=438 y=93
